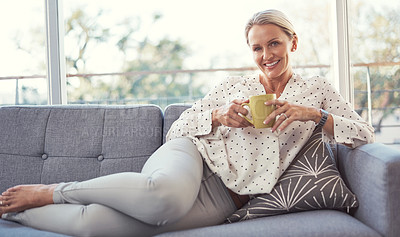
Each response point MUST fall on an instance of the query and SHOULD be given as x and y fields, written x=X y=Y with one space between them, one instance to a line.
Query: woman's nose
x=267 y=54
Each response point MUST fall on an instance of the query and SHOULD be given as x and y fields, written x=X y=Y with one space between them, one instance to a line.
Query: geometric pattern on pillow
x=311 y=182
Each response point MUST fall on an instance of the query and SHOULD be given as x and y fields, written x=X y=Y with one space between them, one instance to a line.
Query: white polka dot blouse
x=250 y=160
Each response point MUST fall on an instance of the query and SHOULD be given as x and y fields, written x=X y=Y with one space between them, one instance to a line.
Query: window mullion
x=55 y=52
x=341 y=53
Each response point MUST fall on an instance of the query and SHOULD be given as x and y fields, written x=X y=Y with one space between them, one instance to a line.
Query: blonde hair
x=270 y=17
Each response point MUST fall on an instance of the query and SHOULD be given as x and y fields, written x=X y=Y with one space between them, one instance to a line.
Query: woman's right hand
x=228 y=115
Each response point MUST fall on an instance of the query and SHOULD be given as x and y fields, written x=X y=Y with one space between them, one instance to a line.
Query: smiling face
x=271 y=48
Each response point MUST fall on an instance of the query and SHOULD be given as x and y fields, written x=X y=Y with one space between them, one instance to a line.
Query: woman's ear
x=294 y=43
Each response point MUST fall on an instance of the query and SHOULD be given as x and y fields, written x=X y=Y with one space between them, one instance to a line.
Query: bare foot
x=22 y=197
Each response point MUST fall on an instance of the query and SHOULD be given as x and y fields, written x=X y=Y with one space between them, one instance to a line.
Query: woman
x=174 y=191
x=232 y=147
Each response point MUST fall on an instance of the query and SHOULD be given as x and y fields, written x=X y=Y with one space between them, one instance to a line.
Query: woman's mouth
x=271 y=65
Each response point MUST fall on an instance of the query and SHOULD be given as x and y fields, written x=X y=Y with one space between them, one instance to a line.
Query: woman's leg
x=82 y=220
x=153 y=196
x=212 y=206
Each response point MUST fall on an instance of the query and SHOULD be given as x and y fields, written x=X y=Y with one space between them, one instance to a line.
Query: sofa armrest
x=372 y=172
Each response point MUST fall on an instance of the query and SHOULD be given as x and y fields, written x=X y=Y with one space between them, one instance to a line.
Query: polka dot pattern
x=250 y=160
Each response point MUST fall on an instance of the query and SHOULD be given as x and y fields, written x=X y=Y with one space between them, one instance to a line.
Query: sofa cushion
x=312 y=181
x=316 y=223
x=48 y=144
x=172 y=113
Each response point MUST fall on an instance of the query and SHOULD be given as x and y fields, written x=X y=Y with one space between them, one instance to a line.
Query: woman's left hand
x=289 y=112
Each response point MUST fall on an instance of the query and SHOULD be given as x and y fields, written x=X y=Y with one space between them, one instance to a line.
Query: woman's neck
x=275 y=86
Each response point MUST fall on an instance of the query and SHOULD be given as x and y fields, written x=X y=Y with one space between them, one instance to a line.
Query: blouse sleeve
x=349 y=127
x=197 y=120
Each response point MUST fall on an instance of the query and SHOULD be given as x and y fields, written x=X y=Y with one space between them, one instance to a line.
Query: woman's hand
x=289 y=113
x=228 y=115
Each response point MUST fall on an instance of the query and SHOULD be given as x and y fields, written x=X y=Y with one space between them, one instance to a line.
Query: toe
x=5 y=203
x=14 y=189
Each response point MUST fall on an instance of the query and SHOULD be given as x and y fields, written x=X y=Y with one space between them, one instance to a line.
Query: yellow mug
x=259 y=111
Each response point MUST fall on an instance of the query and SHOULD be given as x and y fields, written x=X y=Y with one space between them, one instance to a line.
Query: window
x=164 y=52
x=23 y=53
x=375 y=59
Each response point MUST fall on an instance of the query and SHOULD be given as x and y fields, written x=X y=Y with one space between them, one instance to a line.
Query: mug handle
x=245 y=117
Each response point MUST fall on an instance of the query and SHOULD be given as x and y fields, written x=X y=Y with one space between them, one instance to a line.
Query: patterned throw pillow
x=311 y=182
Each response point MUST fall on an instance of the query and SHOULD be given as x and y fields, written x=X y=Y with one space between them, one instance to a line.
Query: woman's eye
x=273 y=44
x=257 y=49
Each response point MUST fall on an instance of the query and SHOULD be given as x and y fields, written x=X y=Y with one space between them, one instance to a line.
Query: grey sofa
x=47 y=144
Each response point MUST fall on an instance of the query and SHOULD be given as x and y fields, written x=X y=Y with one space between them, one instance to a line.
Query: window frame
x=56 y=78
x=341 y=50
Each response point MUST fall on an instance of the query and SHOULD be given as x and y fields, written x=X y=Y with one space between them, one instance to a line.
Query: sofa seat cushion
x=318 y=223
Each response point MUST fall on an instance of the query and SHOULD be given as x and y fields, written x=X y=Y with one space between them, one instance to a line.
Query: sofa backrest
x=172 y=113
x=47 y=144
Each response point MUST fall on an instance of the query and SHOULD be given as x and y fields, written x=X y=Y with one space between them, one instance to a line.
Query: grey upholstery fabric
x=373 y=172
x=312 y=223
x=172 y=113
x=22 y=131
